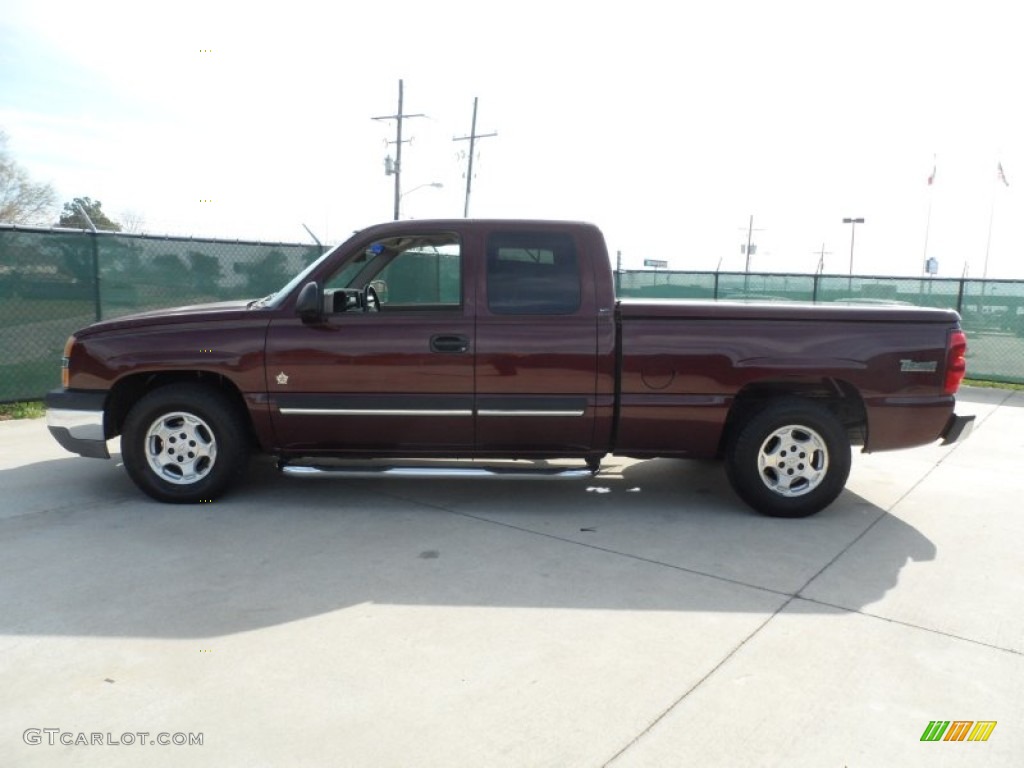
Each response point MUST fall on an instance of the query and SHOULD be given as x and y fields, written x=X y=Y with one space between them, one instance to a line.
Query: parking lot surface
x=643 y=617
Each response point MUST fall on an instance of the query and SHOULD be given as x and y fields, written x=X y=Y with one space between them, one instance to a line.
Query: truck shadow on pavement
x=92 y=556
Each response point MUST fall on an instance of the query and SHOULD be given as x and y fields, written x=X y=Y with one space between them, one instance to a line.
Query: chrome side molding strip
x=370 y=412
x=417 y=412
x=529 y=413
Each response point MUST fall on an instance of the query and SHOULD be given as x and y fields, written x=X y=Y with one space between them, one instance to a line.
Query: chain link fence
x=54 y=281
x=992 y=311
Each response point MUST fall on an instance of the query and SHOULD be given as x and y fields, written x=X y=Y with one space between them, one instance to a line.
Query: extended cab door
x=537 y=333
x=394 y=381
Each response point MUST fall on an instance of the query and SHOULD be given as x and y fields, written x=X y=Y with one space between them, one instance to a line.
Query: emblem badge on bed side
x=913 y=366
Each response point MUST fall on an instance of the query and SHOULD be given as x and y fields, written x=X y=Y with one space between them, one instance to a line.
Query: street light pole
x=853 y=232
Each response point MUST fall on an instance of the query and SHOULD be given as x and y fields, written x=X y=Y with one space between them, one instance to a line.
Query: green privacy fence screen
x=992 y=311
x=49 y=288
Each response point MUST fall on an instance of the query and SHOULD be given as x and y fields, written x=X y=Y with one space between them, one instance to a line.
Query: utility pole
x=817 y=272
x=473 y=136
x=396 y=169
x=750 y=237
x=750 y=247
x=821 y=259
x=749 y=250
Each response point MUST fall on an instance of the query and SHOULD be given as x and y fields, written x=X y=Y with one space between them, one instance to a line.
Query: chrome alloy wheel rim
x=793 y=460
x=180 y=448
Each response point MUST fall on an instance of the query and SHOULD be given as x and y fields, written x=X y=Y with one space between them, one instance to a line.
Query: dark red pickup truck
x=491 y=340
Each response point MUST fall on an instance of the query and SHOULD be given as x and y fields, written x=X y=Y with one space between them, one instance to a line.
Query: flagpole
x=928 y=223
x=927 y=227
x=1000 y=176
x=988 y=240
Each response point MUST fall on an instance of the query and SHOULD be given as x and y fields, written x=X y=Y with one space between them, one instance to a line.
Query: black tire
x=791 y=459
x=184 y=443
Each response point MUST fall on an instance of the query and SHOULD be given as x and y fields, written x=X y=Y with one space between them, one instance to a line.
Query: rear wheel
x=184 y=443
x=790 y=460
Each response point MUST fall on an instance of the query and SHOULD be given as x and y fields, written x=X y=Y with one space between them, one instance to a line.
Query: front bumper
x=75 y=419
x=957 y=429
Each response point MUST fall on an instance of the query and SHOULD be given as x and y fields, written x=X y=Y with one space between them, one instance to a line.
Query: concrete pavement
x=641 y=618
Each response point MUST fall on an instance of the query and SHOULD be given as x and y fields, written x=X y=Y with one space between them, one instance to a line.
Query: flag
x=1002 y=176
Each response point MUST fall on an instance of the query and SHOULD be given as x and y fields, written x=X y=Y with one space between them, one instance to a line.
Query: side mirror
x=307 y=306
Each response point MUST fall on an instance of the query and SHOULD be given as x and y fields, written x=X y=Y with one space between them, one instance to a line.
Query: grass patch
x=993 y=384
x=33 y=409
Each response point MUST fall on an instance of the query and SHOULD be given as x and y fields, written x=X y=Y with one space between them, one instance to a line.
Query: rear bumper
x=957 y=428
x=75 y=419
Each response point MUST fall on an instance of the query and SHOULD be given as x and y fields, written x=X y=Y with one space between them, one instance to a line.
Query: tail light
x=956 y=362
x=65 y=362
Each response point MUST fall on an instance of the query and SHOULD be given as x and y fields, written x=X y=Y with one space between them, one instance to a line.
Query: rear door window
x=532 y=273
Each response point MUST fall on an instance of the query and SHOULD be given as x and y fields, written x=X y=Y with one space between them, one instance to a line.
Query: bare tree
x=21 y=200
x=132 y=222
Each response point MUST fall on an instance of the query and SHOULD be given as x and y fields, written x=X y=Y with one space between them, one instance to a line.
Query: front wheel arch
x=127 y=391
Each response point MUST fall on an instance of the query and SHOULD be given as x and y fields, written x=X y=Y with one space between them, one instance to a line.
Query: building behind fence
x=54 y=281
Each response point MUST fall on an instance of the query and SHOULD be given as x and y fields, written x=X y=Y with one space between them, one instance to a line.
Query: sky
x=666 y=124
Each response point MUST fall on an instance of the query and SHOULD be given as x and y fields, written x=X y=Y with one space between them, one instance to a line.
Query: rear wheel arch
x=840 y=397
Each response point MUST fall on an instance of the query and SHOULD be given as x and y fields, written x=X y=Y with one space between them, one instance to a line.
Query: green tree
x=266 y=275
x=72 y=217
x=205 y=271
x=21 y=200
x=166 y=268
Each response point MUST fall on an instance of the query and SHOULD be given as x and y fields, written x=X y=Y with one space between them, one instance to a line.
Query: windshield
x=274 y=299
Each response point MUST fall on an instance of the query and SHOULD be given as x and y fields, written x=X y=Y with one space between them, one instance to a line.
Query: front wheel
x=790 y=460
x=184 y=443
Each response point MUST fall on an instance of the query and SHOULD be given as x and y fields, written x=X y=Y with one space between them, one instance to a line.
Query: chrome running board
x=428 y=471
